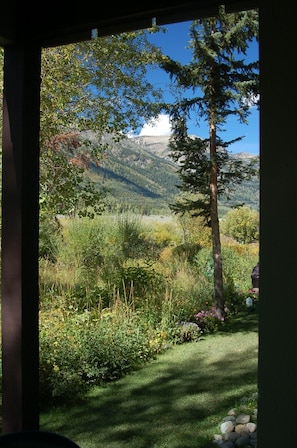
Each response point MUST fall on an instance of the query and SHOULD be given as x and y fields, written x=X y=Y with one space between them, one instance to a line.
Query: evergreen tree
x=222 y=84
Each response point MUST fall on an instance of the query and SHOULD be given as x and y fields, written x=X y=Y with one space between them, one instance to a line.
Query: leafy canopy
x=90 y=89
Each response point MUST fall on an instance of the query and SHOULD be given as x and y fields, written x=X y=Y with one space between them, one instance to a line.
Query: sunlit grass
x=178 y=400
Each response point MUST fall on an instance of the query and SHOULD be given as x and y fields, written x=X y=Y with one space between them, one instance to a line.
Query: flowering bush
x=253 y=294
x=209 y=321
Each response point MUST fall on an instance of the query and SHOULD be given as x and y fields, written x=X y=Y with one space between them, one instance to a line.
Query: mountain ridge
x=159 y=145
x=138 y=174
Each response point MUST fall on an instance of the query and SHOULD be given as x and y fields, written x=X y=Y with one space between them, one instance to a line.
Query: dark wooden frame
x=24 y=30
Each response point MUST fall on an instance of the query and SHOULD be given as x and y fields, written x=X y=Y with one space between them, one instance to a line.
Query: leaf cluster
x=194 y=165
x=219 y=83
x=98 y=85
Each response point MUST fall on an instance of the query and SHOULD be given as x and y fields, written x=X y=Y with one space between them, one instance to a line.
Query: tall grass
x=119 y=291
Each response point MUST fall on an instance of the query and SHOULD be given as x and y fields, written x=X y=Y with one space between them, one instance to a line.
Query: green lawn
x=176 y=401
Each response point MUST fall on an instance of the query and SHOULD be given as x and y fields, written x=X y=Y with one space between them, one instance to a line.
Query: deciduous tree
x=242 y=224
x=99 y=86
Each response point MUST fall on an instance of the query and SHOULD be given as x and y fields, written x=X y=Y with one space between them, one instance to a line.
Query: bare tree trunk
x=219 y=300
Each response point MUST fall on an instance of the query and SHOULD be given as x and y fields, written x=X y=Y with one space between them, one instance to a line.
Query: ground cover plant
x=178 y=400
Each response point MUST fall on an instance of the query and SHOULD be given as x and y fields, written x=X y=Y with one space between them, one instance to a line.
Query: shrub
x=83 y=349
x=242 y=224
x=237 y=266
x=187 y=332
x=50 y=238
x=141 y=283
x=130 y=238
x=164 y=234
x=186 y=251
x=83 y=243
x=82 y=297
x=209 y=321
x=194 y=230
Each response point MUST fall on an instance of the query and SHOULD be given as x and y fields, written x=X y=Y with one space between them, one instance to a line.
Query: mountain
x=157 y=145
x=139 y=175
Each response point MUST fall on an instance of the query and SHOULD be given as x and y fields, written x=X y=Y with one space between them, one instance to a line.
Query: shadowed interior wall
x=278 y=236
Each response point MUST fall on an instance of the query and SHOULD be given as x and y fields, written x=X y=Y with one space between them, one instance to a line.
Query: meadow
x=118 y=291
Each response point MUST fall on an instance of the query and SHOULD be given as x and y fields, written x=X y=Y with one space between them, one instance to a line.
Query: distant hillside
x=157 y=145
x=139 y=175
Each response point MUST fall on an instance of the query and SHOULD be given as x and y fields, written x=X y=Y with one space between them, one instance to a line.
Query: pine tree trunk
x=219 y=300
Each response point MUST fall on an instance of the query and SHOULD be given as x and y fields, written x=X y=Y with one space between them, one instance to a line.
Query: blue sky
x=173 y=44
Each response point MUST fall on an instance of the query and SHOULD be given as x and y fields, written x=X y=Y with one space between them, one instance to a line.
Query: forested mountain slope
x=140 y=176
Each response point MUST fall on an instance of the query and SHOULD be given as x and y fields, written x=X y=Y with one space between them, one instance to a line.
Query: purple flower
x=209 y=320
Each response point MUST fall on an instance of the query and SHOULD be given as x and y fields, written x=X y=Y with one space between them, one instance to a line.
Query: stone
x=242 y=442
x=252 y=427
x=227 y=427
x=232 y=436
x=243 y=418
x=241 y=429
x=230 y=418
x=227 y=444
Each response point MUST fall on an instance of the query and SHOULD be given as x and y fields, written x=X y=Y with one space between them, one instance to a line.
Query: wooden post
x=20 y=198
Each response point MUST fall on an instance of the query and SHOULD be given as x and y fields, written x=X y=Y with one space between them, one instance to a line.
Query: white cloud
x=159 y=126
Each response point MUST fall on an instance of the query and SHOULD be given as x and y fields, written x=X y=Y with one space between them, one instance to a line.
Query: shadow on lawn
x=174 y=402
x=247 y=320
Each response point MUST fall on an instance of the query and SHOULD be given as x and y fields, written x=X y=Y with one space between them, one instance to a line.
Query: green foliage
x=242 y=224
x=76 y=98
x=75 y=87
x=130 y=236
x=85 y=297
x=103 y=315
x=238 y=261
x=194 y=229
x=50 y=237
x=209 y=321
x=87 y=348
x=141 y=282
x=186 y=251
x=221 y=84
x=163 y=234
x=65 y=188
x=83 y=243
x=188 y=332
